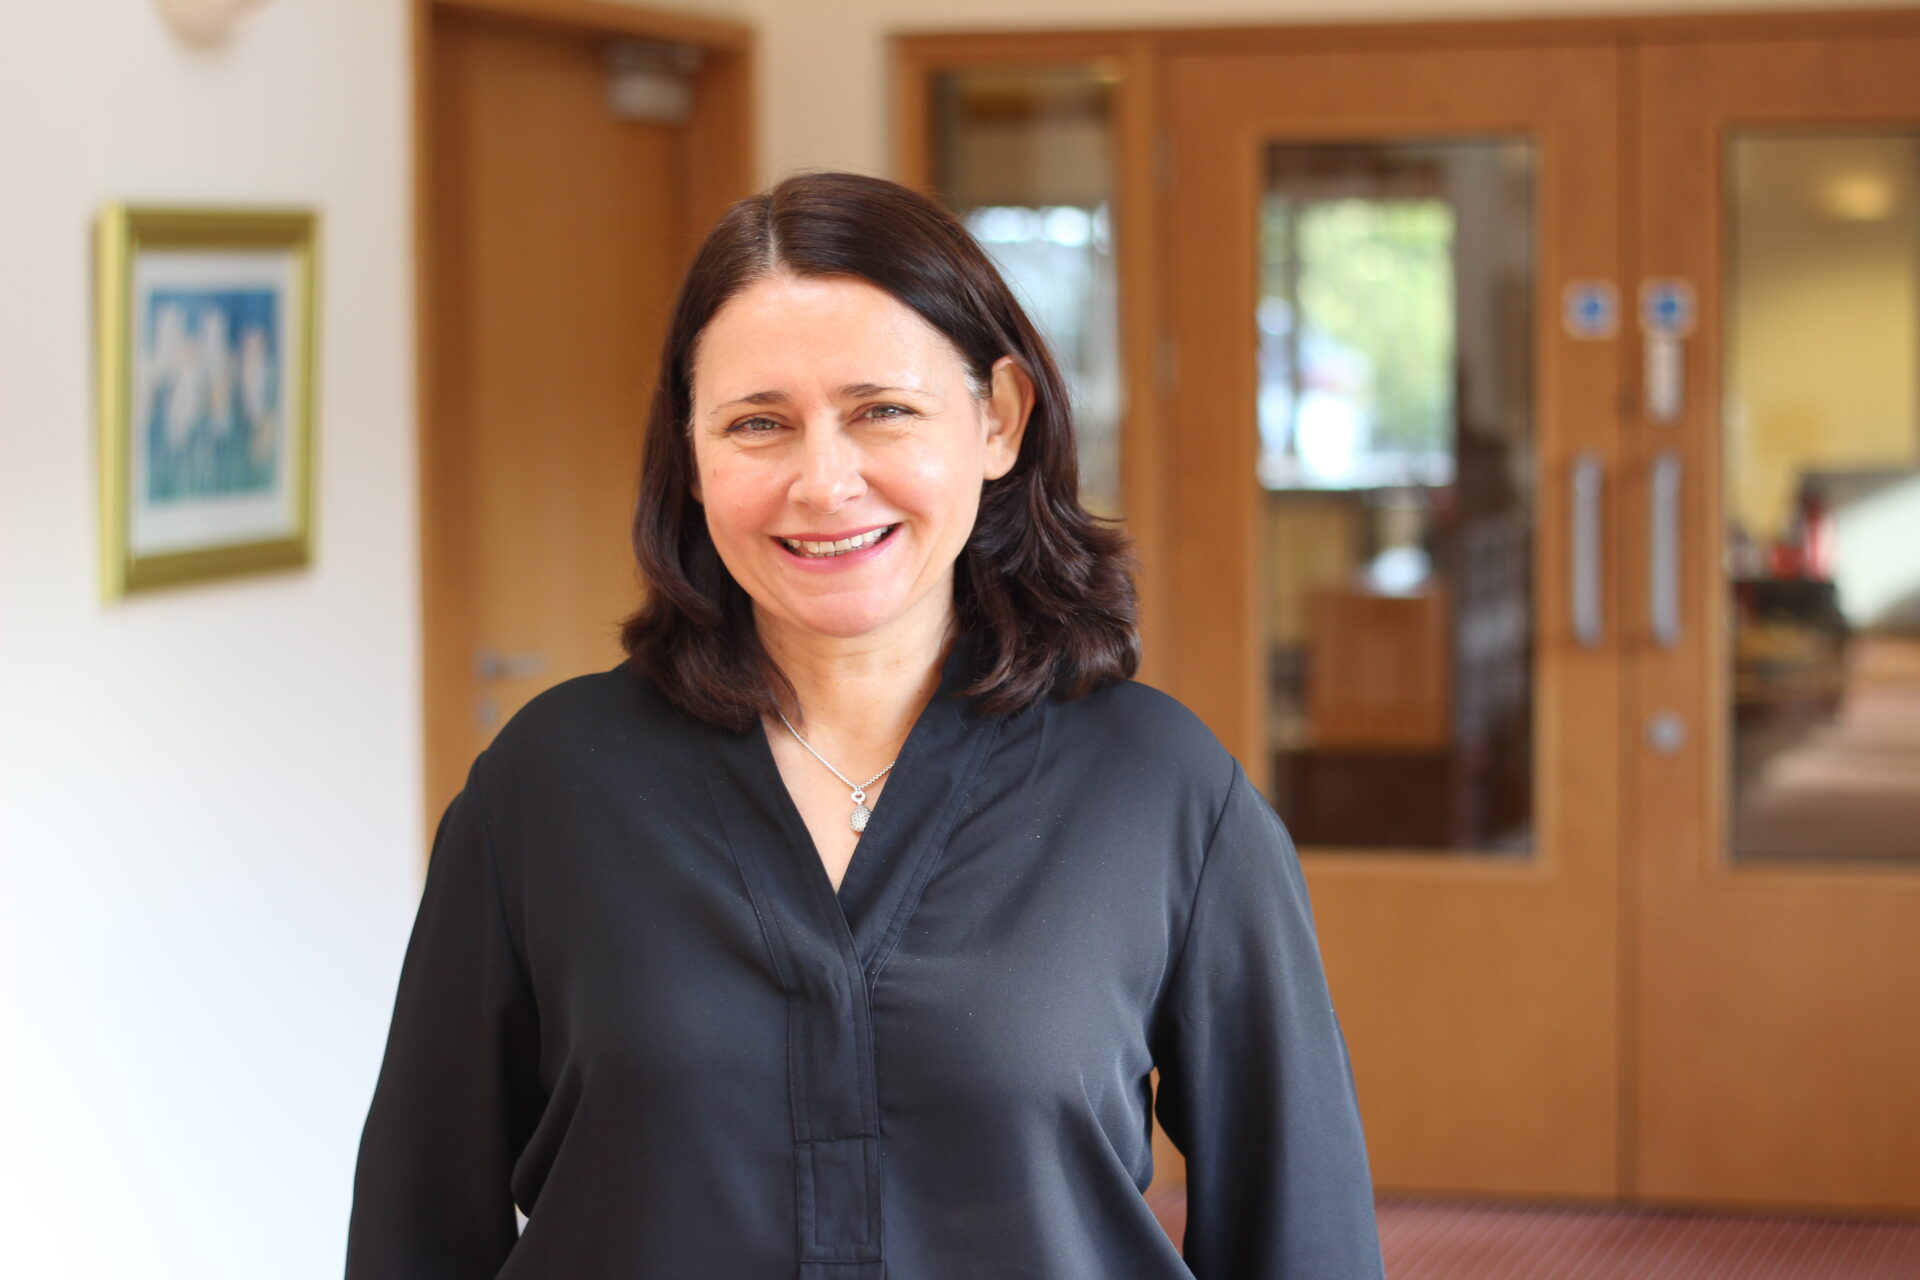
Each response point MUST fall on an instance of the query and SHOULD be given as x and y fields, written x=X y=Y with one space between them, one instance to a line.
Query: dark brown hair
x=1047 y=585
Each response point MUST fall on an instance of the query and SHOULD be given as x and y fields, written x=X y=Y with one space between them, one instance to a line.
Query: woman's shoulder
x=1128 y=720
x=619 y=710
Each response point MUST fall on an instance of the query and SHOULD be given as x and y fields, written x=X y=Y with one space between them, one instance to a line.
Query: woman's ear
x=1009 y=405
x=693 y=468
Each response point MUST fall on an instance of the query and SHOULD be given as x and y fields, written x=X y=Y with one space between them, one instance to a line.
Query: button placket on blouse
x=826 y=961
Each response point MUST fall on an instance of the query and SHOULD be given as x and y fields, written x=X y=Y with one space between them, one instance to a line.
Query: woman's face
x=825 y=410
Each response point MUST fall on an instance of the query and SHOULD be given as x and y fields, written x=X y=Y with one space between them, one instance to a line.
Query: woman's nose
x=830 y=468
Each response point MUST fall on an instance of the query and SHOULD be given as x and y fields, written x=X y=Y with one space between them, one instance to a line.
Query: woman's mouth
x=828 y=550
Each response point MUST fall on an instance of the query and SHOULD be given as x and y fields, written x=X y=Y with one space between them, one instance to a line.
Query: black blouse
x=634 y=1006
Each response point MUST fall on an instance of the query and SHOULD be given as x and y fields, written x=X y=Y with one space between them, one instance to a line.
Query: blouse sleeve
x=450 y=1110
x=1255 y=1085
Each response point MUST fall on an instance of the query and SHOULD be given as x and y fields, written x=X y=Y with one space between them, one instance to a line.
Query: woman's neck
x=859 y=696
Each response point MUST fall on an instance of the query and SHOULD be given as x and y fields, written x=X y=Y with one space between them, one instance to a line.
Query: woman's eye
x=885 y=412
x=754 y=427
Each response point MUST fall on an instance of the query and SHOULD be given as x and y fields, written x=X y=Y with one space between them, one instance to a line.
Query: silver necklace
x=858 y=820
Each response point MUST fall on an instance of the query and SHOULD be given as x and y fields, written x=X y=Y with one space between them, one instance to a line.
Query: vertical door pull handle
x=1663 y=575
x=1588 y=479
x=1665 y=371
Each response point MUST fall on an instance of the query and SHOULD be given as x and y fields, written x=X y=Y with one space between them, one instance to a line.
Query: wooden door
x=1776 y=689
x=1389 y=591
x=554 y=230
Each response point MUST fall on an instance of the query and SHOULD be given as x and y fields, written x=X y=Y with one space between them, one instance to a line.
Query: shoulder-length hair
x=1046 y=585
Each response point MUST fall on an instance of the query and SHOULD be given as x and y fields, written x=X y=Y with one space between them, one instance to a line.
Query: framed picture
x=206 y=344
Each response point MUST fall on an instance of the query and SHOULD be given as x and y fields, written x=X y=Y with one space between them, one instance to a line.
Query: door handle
x=1666 y=378
x=1588 y=481
x=489 y=665
x=1663 y=573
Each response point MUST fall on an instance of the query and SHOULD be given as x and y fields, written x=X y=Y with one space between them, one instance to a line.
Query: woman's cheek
x=742 y=489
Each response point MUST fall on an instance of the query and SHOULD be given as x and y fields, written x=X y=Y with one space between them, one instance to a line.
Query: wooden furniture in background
x=1378 y=669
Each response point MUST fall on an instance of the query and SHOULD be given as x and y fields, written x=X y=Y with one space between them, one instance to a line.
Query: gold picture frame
x=207 y=345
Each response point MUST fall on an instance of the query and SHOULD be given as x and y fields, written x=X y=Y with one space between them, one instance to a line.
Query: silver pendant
x=860 y=811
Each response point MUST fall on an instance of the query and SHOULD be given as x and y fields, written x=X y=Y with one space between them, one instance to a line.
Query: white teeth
x=839 y=548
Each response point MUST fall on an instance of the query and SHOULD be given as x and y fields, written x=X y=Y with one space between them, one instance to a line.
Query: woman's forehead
x=789 y=332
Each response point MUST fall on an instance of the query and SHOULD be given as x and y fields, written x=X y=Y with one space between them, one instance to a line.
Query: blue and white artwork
x=214 y=389
x=209 y=422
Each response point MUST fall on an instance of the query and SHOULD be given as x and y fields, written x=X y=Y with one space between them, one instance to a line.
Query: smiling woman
x=694 y=1016
x=843 y=350
x=841 y=495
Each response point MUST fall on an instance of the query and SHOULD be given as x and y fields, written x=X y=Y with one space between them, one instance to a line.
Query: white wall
x=208 y=796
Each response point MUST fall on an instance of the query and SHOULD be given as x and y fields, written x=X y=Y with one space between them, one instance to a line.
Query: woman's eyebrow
x=851 y=391
x=756 y=397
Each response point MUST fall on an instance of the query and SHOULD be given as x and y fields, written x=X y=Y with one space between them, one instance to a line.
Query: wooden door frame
x=720 y=163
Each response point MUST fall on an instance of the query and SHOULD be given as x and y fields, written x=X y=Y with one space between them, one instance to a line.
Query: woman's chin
x=843 y=620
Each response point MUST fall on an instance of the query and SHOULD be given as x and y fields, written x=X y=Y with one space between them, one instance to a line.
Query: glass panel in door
x=1822 y=449
x=1025 y=157
x=1397 y=472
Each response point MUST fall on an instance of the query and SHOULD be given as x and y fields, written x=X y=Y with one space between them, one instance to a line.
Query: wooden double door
x=1545 y=487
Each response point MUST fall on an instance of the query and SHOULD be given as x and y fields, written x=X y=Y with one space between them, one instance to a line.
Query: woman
x=836 y=933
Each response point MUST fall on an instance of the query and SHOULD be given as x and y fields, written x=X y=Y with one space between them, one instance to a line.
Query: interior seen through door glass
x=1025 y=157
x=1822 y=495
x=1396 y=459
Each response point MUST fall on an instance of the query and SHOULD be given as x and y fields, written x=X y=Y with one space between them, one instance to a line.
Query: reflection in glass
x=1025 y=157
x=1822 y=448
x=1396 y=458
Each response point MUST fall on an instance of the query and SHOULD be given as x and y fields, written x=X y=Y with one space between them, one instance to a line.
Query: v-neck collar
x=897 y=853
x=827 y=951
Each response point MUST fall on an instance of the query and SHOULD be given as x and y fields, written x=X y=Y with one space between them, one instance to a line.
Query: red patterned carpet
x=1450 y=1240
